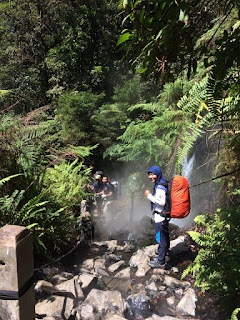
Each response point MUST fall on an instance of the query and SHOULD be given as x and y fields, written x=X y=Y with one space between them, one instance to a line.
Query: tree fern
x=206 y=101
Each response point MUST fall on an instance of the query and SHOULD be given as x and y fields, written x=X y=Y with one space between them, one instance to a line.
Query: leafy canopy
x=160 y=37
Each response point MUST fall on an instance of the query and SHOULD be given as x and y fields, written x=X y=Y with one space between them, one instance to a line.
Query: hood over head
x=158 y=172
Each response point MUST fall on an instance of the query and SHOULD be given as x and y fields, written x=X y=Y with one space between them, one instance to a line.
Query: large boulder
x=187 y=305
x=140 y=305
x=62 y=299
x=102 y=304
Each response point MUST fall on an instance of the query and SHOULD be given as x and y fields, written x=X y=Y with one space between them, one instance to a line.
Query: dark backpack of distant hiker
x=115 y=190
x=177 y=198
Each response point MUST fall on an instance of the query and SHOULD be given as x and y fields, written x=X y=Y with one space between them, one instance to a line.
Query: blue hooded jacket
x=160 y=179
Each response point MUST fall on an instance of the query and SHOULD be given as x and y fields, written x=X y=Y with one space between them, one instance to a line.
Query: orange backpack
x=178 y=198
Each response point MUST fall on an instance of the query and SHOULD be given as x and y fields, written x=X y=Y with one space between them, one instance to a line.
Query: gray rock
x=171 y=301
x=87 y=312
x=152 y=286
x=137 y=258
x=114 y=317
x=159 y=271
x=179 y=292
x=140 y=305
x=124 y=274
x=72 y=286
x=142 y=270
x=156 y=317
x=175 y=283
x=99 y=263
x=58 y=278
x=62 y=300
x=174 y=269
x=127 y=247
x=58 y=306
x=150 y=250
x=115 y=283
x=103 y=303
x=187 y=305
x=156 y=277
x=163 y=293
x=162 y=288
x=87 y=265
x=87 y=282
x=43 y=286
x=114 y=267
x=111 y=244
x=138 y=288
x=102 y=272
x=178 y=245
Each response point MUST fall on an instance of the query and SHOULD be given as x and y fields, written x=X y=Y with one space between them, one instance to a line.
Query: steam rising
x=122 y=216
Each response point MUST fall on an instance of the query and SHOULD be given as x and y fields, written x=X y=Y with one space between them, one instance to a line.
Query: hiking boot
x=156 y=264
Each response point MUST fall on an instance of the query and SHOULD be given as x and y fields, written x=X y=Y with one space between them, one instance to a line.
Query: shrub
x=216 y=266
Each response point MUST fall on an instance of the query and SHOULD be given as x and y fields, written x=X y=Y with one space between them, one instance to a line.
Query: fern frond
x=9 y=178
x=200 y=219
x=235 y=314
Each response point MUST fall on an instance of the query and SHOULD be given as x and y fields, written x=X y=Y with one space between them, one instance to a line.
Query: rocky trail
x=111 y=280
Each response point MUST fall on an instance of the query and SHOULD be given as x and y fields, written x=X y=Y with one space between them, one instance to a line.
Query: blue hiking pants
x=162 y=238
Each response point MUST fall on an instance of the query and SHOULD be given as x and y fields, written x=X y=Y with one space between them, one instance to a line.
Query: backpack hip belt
x=164 y=214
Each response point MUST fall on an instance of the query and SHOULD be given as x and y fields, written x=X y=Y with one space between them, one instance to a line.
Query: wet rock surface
x=111 y=279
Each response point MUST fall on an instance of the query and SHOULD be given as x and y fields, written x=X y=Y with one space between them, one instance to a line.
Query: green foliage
x=235 y=314
x=216 y=266
x=56 y=47
x=146 y=141
x=208 y=101
x=24 y=141
x=151 y=129
x=159 y=36
x=74 y=111
x=50 y=228
x=65 y=183
x=130 y=92
x=8 y=178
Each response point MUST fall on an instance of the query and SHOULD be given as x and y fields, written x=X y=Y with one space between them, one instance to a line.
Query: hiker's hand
x=147 y=192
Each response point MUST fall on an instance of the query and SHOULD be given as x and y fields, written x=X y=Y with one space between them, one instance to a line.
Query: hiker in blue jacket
x=158 y=201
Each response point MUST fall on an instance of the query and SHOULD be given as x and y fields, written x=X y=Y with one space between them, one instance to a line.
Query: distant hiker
x=98 y=189
x=98 y=185
x=108 y=188
x=158 y=200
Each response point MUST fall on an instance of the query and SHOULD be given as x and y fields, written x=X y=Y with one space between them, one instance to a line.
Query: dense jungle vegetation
x=89 y=85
